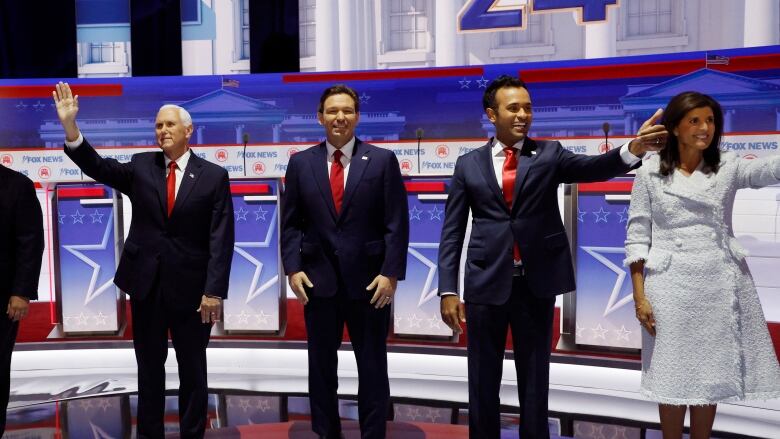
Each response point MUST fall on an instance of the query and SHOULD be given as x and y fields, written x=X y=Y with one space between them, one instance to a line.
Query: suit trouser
x=530 y=319
x=8 y=330
x=152 y=319
x=367 y=327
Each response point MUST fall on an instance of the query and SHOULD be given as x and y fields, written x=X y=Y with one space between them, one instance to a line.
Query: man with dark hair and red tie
x=345 y=232
x=176 y=259
x=518 y=256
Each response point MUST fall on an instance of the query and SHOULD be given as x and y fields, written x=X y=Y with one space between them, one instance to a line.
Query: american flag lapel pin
x=192 y=175
x=365 y=157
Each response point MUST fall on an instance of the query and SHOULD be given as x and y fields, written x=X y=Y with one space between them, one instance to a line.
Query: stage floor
x=84 y=389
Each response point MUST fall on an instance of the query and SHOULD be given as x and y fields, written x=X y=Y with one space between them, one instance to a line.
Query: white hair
x=184 y=115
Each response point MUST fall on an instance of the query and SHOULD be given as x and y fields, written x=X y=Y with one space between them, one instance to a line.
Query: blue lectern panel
x=87 y=249
x=96 y=417
x=605 y=307
x=255 y=287
x=252 y=409
x=416 y=304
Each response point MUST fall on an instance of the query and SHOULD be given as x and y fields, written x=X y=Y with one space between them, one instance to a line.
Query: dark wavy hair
x=489 y=97
x=675 y=111
x=339 y=89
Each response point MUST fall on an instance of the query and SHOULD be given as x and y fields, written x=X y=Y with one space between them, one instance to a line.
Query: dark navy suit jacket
x=533 y=221
x=189 y=254
x=21 y=237
x=368 y=238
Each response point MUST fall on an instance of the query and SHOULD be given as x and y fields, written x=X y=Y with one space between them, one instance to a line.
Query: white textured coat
x=712 y=342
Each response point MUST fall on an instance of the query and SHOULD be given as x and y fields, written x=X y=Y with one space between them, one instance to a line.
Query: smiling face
x=696 y=129
x=172 y=135
x=512 y=115
x=339 y=117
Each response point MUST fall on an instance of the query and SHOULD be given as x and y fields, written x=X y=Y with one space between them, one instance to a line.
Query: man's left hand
x=385 y=290
x=18 y=307
x=210 y=309
x=651 y=137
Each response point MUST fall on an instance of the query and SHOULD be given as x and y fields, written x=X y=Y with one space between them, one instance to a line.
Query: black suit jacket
x=369 y=237
x=534 y=220
x=189 y=254
x=21 y=237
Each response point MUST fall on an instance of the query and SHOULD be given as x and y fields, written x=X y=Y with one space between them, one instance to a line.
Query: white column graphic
x=448 y=44
x=761 y=22
x=348 y=40
x=327 y=35
x=601 y=38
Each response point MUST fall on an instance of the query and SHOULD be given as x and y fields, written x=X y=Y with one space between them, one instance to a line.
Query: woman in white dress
x=706 y=339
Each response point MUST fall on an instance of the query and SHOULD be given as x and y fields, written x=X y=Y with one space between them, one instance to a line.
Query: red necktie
x=337 y=180
x=508 y=173
x=171 y=182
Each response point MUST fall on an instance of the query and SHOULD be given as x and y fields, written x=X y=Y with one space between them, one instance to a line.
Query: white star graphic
x=623 y=333
x=364 y=98
x=581 y=216
x=61 y=218
x=428 y=292
x=432 y=415
x=398 y=321
x=464 y=83
x=414 y=213
x=263 y=405
x=599 y=332
x=262 y=318
x=414 y=321
x=260 y=214
x=244 y=404
x=105 y=404
x=434 y=322
x=239 y=247
x=241 y=214
x=99 y=433
x=436 y=213
x=97 y=217
x=613 y=303
x=243 y=317
x=81 y=320
x=601 y=215
x=75 y=250
x=579 y=331
x=85 y=404
x=78 y=217
x=100 y=318
x=623 y=215
x=21 y=105
x=38 y=106
x=482 y=82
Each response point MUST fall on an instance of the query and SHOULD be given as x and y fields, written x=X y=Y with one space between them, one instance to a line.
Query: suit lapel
x=158 y=179
x=188 y=180
x=524 y=162
x=319 y=169
x=485 y=163
x=357 y=165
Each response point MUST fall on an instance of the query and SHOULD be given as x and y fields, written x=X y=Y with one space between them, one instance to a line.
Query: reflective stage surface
x=255 y=415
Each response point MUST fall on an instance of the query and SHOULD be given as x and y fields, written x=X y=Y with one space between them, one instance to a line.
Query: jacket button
x=678 y=242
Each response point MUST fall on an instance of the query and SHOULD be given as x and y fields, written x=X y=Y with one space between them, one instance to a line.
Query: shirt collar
x=181 y=162
x=498 y=147
x=347 y=149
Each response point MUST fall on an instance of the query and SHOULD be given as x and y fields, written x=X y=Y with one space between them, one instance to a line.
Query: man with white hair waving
x=176 y=260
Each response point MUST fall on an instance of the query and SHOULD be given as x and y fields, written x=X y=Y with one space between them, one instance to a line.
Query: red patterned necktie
x=171 y=182
x=508 y=173
x=337 y=180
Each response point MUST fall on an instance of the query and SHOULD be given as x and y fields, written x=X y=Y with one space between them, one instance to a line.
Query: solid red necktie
x=337 y=180
x=508 y=173
x=171 y=182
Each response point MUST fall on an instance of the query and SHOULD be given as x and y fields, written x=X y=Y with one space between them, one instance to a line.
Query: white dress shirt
x=346 y=158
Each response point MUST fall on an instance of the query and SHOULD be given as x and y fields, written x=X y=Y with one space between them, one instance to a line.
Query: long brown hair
x=675 y=111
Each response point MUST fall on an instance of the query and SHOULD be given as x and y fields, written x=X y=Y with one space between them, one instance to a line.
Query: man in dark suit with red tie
x=21 y=251
x=345 y=232
x=176 y=260
x=518 y=255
